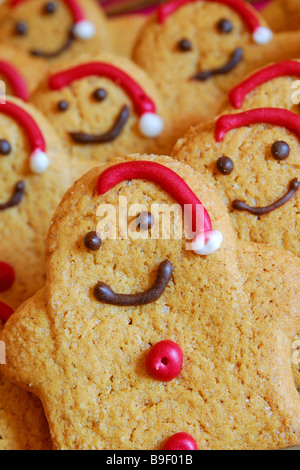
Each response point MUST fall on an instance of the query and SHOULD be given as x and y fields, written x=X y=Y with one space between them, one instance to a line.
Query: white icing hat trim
x=84 y=30
x=262 y=35
x=207 y=243
x=151 y=125
x=39 y=162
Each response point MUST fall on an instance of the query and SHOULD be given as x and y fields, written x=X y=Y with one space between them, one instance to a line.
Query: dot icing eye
x=5 y=147
x=21 y=28
x=145 y=221
x=92 y=241
x=50 y=8
x=62 y=105
x=225 y=166
x=100 y=94
x=280 y=150
x=225 y=26
x=185 y=45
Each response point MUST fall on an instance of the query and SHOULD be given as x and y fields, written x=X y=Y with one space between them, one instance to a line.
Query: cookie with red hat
x=158 y=336
x=35 y=174
x=197 y=50
x=104 y=106
x=54 y=30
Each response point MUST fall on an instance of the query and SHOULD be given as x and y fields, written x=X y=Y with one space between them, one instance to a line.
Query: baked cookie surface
x=54 y=30
x=197 y=51
x=233 y=388
x=104 y=106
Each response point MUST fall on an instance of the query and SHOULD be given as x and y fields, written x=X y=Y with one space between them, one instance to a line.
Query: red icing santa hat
x=277 y=117
x=280 y=69
x=82 y=29
x=260 y=34
x=39 y=161
x=15 y=80
x=206 y=241
x=150 y=124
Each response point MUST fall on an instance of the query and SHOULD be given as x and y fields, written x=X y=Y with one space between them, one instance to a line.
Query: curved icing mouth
x=293 y=189
x=109 y=136
x=103 y=293
x=16 y=198
x=51 y=55
x=234 y=61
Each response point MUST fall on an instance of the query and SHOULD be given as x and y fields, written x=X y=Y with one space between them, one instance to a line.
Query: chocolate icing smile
x=106 y=295
x=234 y=61
x=61 y=50
x=16 y=197
x=241 y=206
x=109 y=136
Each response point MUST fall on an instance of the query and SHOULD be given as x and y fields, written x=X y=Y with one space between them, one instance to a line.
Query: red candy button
x=7 y=276
x=5 y=311
x=180 y=441
x=164 y=361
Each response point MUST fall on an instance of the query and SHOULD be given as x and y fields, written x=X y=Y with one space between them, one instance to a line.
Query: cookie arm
x=27 y=342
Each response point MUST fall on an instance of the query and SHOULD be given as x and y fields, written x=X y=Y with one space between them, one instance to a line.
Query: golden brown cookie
x=282 y=15
x=124 y=31
x=277 y=86
x=34 y=176
x=20 y=73
x=196 y=51
x=140 y=342
x=104 y=106
x=23 y=425
x=54 y=30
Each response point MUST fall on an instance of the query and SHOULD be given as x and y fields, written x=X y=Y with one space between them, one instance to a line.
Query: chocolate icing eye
x=5 y=147
x=50 y=8
x=280 y=150
x=92 y=241
x=185 y=45
x=21 y=28
x=145 y=221
x=225 y=166
x=225 y=26
x=63 y=105
x=100 y=94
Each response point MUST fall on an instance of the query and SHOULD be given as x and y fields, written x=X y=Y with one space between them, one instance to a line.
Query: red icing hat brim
x=15 y=80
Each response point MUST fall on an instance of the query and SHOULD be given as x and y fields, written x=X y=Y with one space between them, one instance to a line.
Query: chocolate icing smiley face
x=34 y=175
x=103 y=107
x=54 y=30
x=252 y=158
x=195 y=50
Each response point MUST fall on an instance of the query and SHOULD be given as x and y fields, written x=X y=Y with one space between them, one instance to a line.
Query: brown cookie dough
x=198 y=52
x=98 y=115
x=54 y=30
x=232 y=313
x=23 y=425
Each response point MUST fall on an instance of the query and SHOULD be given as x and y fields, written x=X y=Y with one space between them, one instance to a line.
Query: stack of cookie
x=149 y=222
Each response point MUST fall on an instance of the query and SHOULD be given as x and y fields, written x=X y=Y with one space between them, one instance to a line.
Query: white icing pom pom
x=84 y=30
x=207 y=243
x=39 y=162
x=262 y=35
x=151 y=125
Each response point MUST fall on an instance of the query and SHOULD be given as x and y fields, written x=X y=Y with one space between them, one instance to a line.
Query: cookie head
x=273 y=86
x=102 y=108
x=252 y=161
x=67 y=27
x=194 y=48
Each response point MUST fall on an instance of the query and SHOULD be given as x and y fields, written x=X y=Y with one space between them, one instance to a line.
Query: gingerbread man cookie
x=54 y=30
x=104 y=106
x=197 y=50
x=20 y=73
x=35 y=175
x=148 y=343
